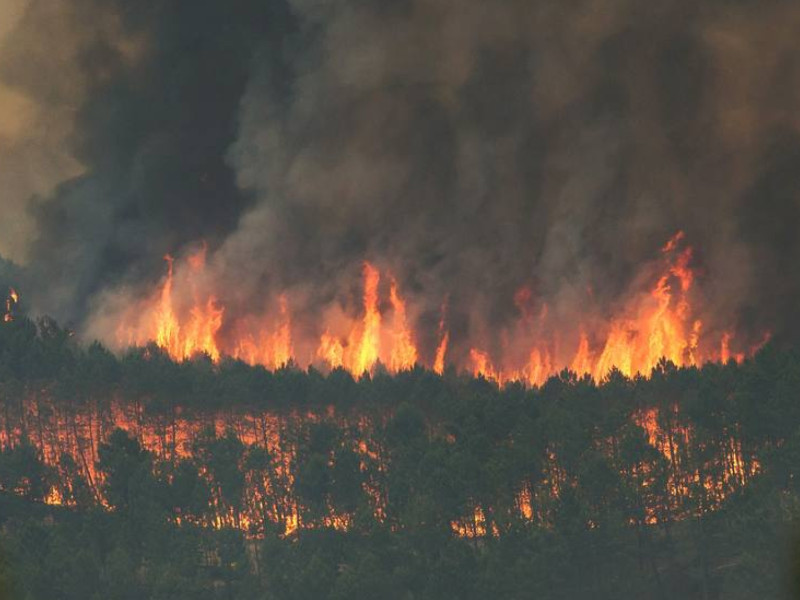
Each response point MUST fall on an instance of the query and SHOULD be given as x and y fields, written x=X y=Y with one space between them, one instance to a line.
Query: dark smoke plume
x=469 y=147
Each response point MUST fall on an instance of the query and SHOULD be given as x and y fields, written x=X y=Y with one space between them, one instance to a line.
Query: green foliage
x=23 y=472
x=403 y=461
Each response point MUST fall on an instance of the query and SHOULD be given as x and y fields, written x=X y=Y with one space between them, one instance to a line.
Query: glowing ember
x=11 y=302
x=269 y=495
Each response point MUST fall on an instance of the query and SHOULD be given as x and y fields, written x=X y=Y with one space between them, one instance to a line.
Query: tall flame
x=539 y=367
x=648 y=325
x=404 y=352
x=184 y=336
x=444 y=339
x=366 y=342
x=582 y=363
x=331 y=350
x=167 y=328
x=660 y=326
x=270 y=348
x=482 y=364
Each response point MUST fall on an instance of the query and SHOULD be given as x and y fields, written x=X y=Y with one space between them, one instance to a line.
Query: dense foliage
x=681 y=484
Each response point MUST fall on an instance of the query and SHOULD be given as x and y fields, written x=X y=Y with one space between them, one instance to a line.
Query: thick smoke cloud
x=474 y=147
x=468 y=147
x=39 y=94
x=148 y=93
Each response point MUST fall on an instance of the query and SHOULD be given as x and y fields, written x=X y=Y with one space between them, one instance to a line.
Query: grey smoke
x=467 y=147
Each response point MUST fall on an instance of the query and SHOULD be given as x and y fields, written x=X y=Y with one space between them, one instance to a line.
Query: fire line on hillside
x=660 y=322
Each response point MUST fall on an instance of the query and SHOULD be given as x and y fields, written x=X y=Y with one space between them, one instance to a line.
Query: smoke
x=468 y=148
x=474 y=148
x=146 y=96
x=39 y=94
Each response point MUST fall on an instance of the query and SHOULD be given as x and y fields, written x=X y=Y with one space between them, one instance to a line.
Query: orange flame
x=404 y=352
x=274 y=349
x=482 y=364
x=331 y=350
x=720 y=467
x=539 y=367
x=444 y=339
x=366 y=343
x=190 y=334
x=581 y=363
x=725 y=354
x=659 y=325
x=648 y=325
x=11 y=302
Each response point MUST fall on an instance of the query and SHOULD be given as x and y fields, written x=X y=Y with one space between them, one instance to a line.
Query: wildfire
x=197 y=334
x=366 y=342
x=331 y=350
x=274 y=349
x=539 y=367
x=482 y=364
x=370 y=340
x=404 y=352
x=11 y=302
x=474 y=525
x=444 y=339
x=651 y=324
x=720 y=466
x=673 y=442
x=725 y=350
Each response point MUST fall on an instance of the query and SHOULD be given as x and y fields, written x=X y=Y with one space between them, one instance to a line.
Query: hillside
x=220 y=478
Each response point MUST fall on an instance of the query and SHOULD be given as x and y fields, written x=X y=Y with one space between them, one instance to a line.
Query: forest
x=136 y=476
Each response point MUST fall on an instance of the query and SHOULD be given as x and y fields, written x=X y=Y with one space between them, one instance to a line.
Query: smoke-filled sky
x=468 y=147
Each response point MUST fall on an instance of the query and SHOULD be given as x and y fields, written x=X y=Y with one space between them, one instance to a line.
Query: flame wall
x=186 y=314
